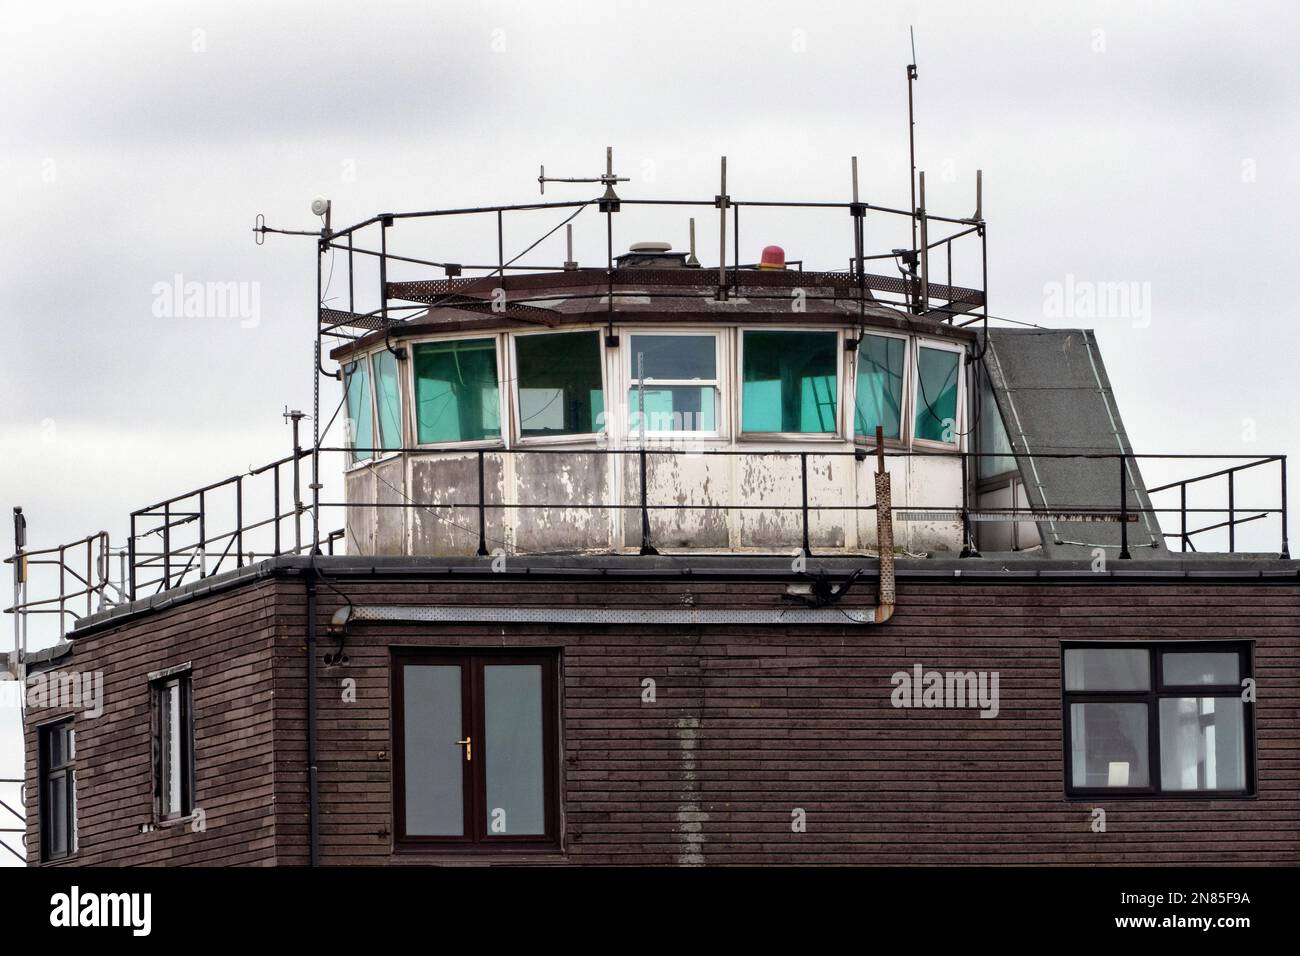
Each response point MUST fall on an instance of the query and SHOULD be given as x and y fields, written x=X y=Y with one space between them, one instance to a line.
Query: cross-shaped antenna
x=609 y=201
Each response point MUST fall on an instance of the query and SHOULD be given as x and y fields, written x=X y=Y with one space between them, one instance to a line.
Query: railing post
x=1286 y=546
x=167 y=547
x=968 y=549
x=646 y=546
x=203 y=535
x=1232 y=526
x=239 y=521
x=130 y=549
x=1123 y=512
x=1182 y=509
x=482 y=505
x=275 y=476
x=803 y=479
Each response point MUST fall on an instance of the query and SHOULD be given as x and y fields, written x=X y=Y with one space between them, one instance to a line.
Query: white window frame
x=905 y=424
x=959 y=424
x=516 y=415
x=717 y=382
x=739 y=378
x=498 y=341
x=350 y=439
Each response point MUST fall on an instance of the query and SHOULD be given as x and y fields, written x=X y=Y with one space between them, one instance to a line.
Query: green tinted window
x=936 y=395
x=456 y=391
x=791 y=382
x=560 y=391
x=388 y=400
x=361 y=426
x=879 y=388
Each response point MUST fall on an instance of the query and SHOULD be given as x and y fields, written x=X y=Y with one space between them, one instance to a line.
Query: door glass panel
x=513 y=750
x=57 y=814
x=1109 y=745
x=433 y=760
x=1202 y=743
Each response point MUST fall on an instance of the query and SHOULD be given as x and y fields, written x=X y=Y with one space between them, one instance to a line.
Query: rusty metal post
x=167 y=546
x=130 y=556
x=239 y=521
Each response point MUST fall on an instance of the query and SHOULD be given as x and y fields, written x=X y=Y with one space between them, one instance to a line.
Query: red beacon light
x=773 y=258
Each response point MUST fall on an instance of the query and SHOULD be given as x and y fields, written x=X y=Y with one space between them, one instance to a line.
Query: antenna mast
x=911 y=137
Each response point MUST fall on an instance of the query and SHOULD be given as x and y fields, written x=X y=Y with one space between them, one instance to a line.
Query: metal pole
x=803 y=476
x=1123 y=512
x=130 y=548
x=1232 y=525
x=1182 y=508
x=482 y=506
x=167 y=546
x=646 y=546
x=239 y=521
x=1286 y=547
x=297 y=491
x=203 y=535
x=722 y=238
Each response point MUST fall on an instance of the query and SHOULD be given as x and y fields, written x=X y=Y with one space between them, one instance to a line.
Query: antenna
x=911 y=135
x=609 y=201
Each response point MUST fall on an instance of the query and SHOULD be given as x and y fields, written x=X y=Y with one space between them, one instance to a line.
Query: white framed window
x=674 y=382
x=937 y=405
x=455 y=384
x=882 y=369
x=559 y=380
x=790 y=382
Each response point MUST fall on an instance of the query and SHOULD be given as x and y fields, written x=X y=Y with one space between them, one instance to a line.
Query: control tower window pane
x=879 y=387
x=457 y=395
x=674 y=379
x=560 y=387
x=791 y=382
x=388 y=400
x=361 y=426
x=936 y=395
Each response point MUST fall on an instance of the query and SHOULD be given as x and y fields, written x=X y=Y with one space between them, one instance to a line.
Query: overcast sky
x=1154 y=144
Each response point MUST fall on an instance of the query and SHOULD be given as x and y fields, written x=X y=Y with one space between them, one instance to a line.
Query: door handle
x=467 y=743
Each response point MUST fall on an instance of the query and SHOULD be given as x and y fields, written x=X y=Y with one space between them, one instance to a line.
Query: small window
x=388 y=400
x=561 y=391
x=879 y=388
x=58 y=782
x=457 y=395
x=475 y=745
x=1132 y=725
x=173 y=747
x=674 y=381
x=791 y=382
x=360 y=423
x=937 y=372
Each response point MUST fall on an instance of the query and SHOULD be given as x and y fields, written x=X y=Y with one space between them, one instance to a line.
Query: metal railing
x=211 y=529
x=8 y=814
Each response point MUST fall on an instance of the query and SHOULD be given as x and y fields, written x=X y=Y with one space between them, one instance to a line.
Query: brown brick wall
x=228 y=639
x=753 y=722
x=750 y=723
